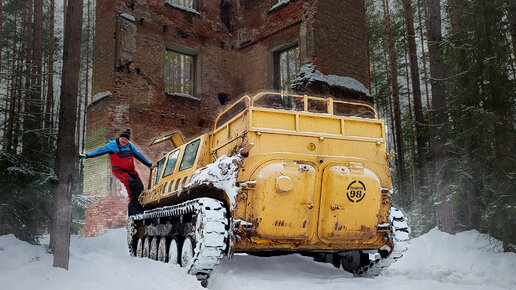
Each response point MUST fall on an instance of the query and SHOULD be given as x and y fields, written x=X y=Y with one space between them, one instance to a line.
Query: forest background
x=442 y=74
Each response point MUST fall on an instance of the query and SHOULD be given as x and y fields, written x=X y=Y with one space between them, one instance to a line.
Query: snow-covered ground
x=434 y=261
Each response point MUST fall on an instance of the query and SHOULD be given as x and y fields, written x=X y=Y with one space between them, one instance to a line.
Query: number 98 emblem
x=356 y=191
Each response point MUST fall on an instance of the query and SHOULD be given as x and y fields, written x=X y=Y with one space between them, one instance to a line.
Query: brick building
x=167 y=65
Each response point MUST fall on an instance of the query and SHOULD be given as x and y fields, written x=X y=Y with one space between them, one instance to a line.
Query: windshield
x=189 y=155
x=171 y=163
x=158 y=169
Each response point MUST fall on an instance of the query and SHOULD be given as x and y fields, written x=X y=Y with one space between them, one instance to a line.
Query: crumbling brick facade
x=232 y=42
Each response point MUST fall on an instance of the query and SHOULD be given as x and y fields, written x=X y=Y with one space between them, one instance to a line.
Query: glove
x=82 y=156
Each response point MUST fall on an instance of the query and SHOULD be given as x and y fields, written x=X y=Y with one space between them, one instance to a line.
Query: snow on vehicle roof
x=309 y=73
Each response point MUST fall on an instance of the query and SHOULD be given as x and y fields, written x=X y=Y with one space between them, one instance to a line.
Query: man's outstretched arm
x=108 y=148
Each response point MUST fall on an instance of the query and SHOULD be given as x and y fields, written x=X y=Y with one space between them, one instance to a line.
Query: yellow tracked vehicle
x=277 y=174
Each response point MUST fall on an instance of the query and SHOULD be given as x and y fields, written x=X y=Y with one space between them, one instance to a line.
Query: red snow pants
x=134 y=186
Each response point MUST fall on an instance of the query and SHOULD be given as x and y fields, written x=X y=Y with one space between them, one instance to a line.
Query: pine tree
x=400 y=164
x=483 y=113
x=416 y=90
x=444 y=214
x=50 y=83
x=511 y=13
x=25 y=168
x=27 y=178
x=65 y=161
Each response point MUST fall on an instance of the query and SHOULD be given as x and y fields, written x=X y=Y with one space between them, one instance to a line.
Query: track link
x=400 y=234
x=209 y=232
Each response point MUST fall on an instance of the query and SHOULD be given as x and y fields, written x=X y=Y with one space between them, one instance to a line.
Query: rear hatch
x=350 y=202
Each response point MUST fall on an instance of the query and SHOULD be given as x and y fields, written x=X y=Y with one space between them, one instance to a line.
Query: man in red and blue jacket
x=122 y=154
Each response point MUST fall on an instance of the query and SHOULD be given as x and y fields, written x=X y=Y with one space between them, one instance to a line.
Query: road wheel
x=162 y=250
x=173 y=252
x=351 y=261
x=139 y=248
x=146 y=246
x=153 y=254
x=187 y=252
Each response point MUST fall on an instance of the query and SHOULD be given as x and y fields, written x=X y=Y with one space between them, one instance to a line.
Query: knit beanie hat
x=126 y=134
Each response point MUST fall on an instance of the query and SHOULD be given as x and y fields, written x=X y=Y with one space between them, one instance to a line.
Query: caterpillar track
x=370 y=263
x=193 y=233
x=400 y=234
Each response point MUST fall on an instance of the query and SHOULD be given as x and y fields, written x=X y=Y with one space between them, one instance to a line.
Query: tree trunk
x=396 y=104
x=416 y=90
x=66 y=147
x=27 y=123
x=19 y=92
x=444 y=213
x=412 y=165
x=50 y=87
x=512 y=20
x=38 y=63
x=11 y=100
x=423 y=52
x=473 y=194
x=377 y=105
x=1 y=30
x=19 y=98
x=65 y=12
x=87 y=92
x=390 y=113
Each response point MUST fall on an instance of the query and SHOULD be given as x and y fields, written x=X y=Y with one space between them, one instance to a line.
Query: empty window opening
x=179 y=73
x=286 y=68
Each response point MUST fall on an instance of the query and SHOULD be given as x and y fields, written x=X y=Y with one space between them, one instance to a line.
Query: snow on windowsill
x=182 y=95
x=278 y=5
x=100 y=96
x=128 y=17
x=182 y=8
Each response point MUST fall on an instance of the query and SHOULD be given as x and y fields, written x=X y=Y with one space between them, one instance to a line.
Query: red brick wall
x=104 y=50
x=341 y=52
x=129 y=61
x=107 y=213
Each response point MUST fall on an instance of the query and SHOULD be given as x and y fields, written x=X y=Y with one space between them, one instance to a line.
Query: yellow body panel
x=309 y=181
x=281 y=204
x=349 y=194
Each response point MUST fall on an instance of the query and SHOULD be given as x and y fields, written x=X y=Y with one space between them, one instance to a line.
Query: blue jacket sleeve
x=108 y=148
x=140 y=156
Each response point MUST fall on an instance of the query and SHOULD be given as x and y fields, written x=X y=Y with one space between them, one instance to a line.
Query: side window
x=171 y=163
x=190 y=154
x=158 y=169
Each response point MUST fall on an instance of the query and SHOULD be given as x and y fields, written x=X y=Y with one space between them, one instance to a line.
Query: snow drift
x=435 y=260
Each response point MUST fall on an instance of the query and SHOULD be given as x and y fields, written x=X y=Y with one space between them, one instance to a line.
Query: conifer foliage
x=26 y=162
x=468 y=130
x=31 y=41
